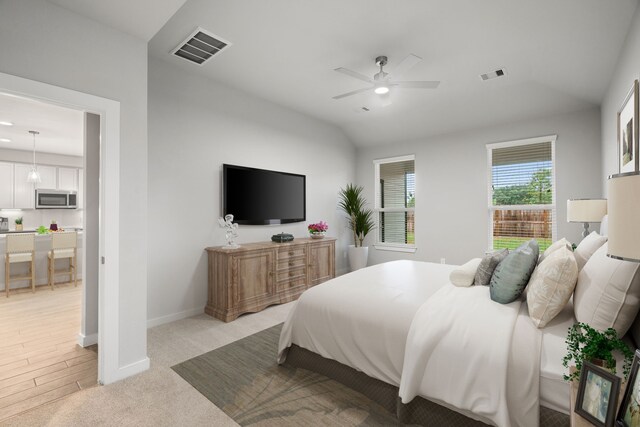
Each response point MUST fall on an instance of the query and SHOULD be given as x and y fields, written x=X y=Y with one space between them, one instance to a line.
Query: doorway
x=106 y=208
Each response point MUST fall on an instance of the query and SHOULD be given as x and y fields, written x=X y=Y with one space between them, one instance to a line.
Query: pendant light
x=34 y=176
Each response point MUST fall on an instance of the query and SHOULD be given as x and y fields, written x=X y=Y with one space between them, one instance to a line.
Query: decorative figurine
x=231 y=231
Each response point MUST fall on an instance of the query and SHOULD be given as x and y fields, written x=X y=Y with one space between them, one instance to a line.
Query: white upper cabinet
x=6 y=185
x=80 y=199
x=24 y=192
x=68 y=179
x=48 y=175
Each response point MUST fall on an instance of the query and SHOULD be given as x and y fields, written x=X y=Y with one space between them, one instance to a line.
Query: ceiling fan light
x=381 y=90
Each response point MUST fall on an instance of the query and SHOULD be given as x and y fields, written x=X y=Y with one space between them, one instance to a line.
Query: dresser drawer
x=292 y=252
x=292 y=273
x=288 y=263
x=300 y=282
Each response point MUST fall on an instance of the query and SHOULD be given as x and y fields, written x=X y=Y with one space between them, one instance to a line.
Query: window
x=395 y=202
x=522 y=200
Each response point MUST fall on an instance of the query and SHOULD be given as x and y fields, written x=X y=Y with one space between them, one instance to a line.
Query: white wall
x=196 y=125
x=46 y=43
x=626 y=71
x=451 y=182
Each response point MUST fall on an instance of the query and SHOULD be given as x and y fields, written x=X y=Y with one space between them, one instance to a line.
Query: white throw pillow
x=464 y=275
x=551 y=286
x=562 y=243
x=608 y=292
x=588 y=247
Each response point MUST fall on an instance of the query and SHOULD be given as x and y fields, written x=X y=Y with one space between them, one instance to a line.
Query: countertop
x=33 y=230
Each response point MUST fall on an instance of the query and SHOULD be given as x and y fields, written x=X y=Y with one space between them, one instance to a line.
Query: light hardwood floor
x=39 y=358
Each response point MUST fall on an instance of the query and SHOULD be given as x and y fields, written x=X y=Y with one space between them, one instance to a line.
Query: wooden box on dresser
x=257 y=275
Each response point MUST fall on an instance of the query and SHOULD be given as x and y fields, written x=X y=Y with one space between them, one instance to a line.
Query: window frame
x=553 y=206
x=395 y=247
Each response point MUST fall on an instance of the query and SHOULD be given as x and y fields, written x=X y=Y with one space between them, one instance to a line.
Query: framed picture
x=628 y=132
x=597 y=395
x=629 y=412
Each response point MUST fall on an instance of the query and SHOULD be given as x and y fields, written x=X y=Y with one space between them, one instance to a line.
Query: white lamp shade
x=586 y=210
x=624 y=217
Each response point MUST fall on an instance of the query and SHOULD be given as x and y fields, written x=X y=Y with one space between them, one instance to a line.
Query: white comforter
x=478 y=356
x=362 y=319
x=464 y=351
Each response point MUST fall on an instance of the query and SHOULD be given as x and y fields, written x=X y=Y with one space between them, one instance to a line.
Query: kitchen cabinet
x=68 y=179
x=80 y=199
x=257 y=275
x=24 y=192
x=48 y=176
x=6 y=185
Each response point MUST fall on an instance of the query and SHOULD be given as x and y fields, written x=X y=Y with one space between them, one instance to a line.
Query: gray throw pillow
x=512 y=274
x=487 y=265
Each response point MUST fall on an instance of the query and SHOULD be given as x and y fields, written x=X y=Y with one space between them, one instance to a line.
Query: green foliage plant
x=353 y=203
x=19 y=220
x=586 y=343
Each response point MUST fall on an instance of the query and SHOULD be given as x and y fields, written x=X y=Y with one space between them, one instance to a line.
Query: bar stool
x=20 y=248
x=63 y=245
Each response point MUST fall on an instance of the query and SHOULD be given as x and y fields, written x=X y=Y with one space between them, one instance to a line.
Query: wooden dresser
x=257 y=275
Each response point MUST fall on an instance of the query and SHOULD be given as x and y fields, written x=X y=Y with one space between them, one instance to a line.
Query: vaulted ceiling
x=558 y=56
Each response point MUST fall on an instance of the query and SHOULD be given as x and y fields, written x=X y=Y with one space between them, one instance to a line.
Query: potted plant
x=352 y=202
x=586 y=343
x=318 y=230
x=19 y=224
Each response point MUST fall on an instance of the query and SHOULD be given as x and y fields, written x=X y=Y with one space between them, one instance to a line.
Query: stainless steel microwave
x=56 y=199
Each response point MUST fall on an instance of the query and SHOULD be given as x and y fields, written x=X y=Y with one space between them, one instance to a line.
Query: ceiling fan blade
x=354 y=92
x=417 y=85
x=406 y=64
x=354 y=74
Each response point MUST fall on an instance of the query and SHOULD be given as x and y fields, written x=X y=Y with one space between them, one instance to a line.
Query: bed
x=371 y=322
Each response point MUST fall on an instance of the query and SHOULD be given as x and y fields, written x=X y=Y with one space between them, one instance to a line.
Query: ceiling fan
x=381 y=82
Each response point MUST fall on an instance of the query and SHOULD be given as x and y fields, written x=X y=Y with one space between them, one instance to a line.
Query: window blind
x=522 y=194
x=396 y=201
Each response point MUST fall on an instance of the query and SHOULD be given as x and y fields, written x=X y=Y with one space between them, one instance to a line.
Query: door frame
x=109 y=207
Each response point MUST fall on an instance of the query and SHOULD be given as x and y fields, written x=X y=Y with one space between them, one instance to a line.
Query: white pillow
x=588 y=247
x=464 y=275
x=608 y=292
x=551 y=286
x=562 y=243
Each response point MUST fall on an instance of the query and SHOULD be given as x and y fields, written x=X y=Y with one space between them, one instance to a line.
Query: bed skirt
x=419 y=411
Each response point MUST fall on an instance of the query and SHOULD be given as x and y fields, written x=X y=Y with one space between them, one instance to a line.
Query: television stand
x=256 y=275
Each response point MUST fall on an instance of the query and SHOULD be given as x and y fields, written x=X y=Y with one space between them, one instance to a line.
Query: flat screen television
x=261 y=197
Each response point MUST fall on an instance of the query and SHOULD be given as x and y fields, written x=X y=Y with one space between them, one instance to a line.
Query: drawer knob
x=291 y=263
x=290 y=252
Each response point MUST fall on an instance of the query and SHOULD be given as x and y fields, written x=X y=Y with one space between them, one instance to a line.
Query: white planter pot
x=358 y=257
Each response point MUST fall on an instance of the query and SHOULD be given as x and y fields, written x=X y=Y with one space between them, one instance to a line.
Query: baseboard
x=87 y=340
x=127 y=371
x=173 y=317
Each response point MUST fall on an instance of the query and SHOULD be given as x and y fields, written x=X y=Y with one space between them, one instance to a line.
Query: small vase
x=19 y=227
x=317 y=235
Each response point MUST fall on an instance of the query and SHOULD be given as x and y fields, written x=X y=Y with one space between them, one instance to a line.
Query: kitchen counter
x=33 y=230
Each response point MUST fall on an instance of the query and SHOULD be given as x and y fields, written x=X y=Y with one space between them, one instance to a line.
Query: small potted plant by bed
x=587 y=343
x=318 y=230
x=19 y=226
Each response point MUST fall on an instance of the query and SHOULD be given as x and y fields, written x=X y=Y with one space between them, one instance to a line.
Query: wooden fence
x=521 y=223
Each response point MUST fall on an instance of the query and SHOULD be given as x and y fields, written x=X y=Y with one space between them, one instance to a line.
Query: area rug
x=244 y=380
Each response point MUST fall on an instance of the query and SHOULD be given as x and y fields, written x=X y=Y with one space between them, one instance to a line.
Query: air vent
x=493 y=74
x=200 y=46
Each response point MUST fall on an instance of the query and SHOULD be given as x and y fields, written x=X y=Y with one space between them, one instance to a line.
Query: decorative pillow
x=464 y=275
x=562 y=243
x=608 y=292
x=487 y=265
x=588 y=247
x=551 y=286
x=512 y=274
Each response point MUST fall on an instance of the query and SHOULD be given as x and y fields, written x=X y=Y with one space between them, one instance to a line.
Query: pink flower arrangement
x=320 y=227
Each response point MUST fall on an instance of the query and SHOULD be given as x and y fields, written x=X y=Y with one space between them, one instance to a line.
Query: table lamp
x=586 y=211
x=624 y=216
